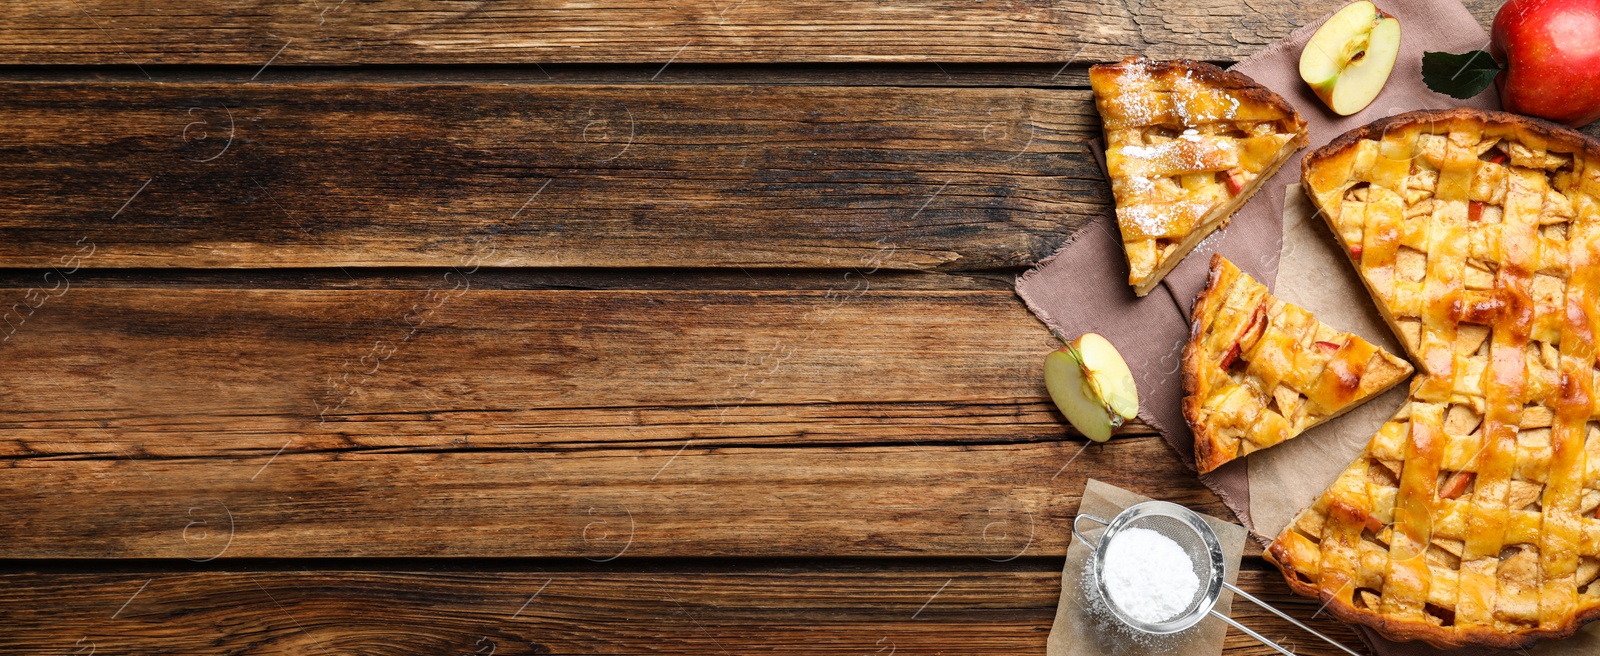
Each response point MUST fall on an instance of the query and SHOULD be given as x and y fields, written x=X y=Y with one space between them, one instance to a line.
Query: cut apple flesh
x=1349 y=59
x=1091 y=384
x=1337 y=42
x=1108 y=374
x=1366 y=75
x=1235 y=181
x=1457 y=485
x=1069 y=388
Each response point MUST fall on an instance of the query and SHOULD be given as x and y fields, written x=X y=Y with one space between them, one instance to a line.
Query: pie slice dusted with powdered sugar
x=1187 y=144
x=1473 y=517
x=1258 y=371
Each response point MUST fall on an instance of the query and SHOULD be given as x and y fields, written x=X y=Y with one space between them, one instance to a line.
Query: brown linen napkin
x=1083 y=286
x=1081 y=629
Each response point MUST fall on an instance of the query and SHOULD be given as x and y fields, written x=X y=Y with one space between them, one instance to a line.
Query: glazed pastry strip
x=1518 y=572
x=1562 y=533
x=1407 y=581
x=1341 y=535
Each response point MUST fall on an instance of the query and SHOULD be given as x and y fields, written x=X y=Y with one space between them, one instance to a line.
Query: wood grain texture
x=904 y=608
x=517 y=278
x=554 y=407
x=107 y=372
x=324 y=175
x=991 y=501
x=892 y=74
x=256 y=32
x=461 y=422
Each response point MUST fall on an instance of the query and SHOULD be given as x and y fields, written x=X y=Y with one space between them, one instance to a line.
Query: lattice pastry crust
x=1470 y=519
x=1187 y=144
x=1258 y=371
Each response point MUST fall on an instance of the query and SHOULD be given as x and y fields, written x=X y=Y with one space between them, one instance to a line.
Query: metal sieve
x=1195 y=536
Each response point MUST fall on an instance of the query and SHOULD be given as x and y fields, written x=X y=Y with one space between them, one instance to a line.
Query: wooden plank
x=185 y=372
x=514 y=423
x=876 y=607
x=513 y=278
x=890 y=74
x=523 y=31
x=991 y=501
x=324 y=175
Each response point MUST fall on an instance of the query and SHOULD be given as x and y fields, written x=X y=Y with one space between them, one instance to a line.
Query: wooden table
x=628 y=326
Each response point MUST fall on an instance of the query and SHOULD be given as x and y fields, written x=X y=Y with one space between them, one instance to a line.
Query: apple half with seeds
x=1348 y=60
x=1091 y=384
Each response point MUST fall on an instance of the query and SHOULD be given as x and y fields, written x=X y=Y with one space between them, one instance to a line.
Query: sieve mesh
x=1197 y=540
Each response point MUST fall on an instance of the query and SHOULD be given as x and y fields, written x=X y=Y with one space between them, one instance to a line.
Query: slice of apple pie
x=1258 y=371
x=1187 y=144
x=1473 y=517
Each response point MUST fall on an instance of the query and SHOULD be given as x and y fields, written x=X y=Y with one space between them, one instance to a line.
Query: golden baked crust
x=1471 y=518
x=1258 y=371
x=1187 y=144
x=1354 y=587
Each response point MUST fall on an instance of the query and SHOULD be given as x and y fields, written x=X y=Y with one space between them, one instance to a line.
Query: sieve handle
x=1246 y=630
x=1080 y=536
x=1281 y=614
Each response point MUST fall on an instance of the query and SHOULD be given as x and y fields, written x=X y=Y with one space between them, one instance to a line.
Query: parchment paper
x=1315 y=274
x=1080 y=630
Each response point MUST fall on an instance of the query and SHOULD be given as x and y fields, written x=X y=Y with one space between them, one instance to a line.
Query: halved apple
x=1348 y=60
x=1091 y=384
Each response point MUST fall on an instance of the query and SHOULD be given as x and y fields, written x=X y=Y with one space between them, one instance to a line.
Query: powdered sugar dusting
x=1111 y=637
x=1146 y=152
x=1147 y=220
x=1138 y=185
x=1148 y=576
x=1140 y=109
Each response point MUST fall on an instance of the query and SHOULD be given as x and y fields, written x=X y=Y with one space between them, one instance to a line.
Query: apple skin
x=1551 y=53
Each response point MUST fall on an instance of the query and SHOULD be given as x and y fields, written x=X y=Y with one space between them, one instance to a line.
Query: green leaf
x=1459 y=76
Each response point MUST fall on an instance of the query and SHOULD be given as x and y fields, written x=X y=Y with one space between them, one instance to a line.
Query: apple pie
x=1187 y=144
x=1470 y=519
x=1258 y=371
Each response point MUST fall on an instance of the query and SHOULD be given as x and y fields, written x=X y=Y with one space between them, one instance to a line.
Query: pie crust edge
x=1206 y=457
x=1409 y=630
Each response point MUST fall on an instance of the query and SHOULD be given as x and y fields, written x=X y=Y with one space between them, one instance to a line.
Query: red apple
x=1551 y=53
